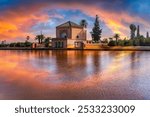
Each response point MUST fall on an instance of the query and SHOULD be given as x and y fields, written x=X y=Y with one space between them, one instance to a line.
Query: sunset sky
x=19 y=18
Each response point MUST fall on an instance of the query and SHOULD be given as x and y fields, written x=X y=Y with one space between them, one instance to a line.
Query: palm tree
x=116 y=36
x=40 y=38
x=27 y=38
x=83 y=23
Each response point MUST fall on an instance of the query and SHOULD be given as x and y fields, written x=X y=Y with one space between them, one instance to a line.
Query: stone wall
x=59 y=32
x=78 y=33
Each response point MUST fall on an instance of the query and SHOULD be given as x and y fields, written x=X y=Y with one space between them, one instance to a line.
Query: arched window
x=59 y=44
x=77 y=36
x=55 y=44
x=62 y=44
x=64 y=35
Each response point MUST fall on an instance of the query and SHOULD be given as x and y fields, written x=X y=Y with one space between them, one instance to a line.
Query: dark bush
x=112 y=43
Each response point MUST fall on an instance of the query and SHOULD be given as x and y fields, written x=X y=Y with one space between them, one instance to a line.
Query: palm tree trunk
x=39 y=41
x=116 y=42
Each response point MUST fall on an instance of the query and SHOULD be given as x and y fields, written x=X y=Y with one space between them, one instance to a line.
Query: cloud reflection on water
x=71 y=75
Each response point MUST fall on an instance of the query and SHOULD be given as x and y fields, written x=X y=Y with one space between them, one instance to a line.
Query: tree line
x=136 y=39
x=40 y=38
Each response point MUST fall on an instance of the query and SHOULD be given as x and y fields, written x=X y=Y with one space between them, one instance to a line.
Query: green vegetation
x=17 y=44
x=133 y=29
x=136 y=39
x=112 y=43
x=83 y=23
x=97 y=31
x=138 y=31
x=147 y=35
x=3 y=45
x=47 y=41
x=40 y=38
x=141 y=41
x=117 y=36
x=20 y=44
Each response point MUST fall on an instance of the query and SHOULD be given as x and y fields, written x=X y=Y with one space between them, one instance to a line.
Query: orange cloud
x=114 y=20
x=17 y=23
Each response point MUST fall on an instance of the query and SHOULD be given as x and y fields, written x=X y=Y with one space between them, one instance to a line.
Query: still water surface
x=74 y=75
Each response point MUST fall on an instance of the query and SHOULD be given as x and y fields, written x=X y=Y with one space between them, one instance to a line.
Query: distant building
x=69 y=35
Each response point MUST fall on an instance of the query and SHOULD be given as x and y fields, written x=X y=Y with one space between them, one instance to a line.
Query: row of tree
x=125 y=42
x=40 y=38
x=136 y=39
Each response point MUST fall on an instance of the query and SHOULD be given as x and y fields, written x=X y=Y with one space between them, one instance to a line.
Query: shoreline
x=117 y=48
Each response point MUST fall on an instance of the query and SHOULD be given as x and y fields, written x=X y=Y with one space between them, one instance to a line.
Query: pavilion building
x=69 y=35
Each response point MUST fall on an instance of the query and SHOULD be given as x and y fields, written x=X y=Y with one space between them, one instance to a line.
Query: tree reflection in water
x=74 y=75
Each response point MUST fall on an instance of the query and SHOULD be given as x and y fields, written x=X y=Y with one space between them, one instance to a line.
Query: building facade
x=69 y=35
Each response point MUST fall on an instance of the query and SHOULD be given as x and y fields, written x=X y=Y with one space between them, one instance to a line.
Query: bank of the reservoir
x=115 y=48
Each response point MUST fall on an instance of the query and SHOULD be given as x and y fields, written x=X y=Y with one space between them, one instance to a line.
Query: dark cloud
x=134 y=7
x=30 y=15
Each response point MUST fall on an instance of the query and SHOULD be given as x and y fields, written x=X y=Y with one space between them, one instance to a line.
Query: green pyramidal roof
x=69 y=24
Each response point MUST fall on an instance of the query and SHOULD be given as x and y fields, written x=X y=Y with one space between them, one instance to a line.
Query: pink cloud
x=17 y=23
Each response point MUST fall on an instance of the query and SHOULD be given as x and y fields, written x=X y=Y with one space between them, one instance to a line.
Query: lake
x=74 y=74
